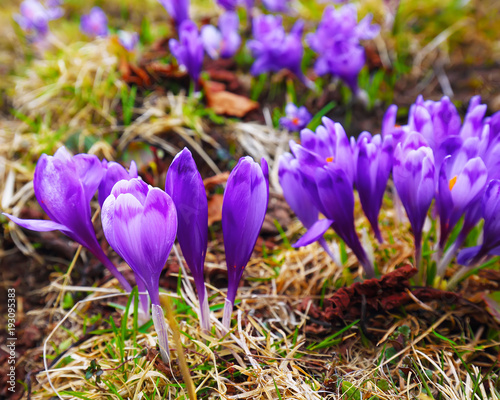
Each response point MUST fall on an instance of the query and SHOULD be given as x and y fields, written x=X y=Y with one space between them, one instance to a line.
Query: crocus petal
x=314 y=233
x=185 y=186
x=39 y=225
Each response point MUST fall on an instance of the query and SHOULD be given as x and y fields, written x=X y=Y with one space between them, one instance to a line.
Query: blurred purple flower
x=128 y=39
x=185 y=186
x=373 y=161
x=188 y=50
x=337 y=43
x=491 y=228
x=95 y=23
x=277 y=6
x=414 y=178
x=296 y=118
x=225 y=41
x=228 y=5
x=275 y=50
x=64 y=186
x=177 y=9
x=34 y=17
x=243 y=210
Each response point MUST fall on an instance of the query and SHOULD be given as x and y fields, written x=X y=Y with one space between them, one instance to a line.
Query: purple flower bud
x=225 y=41
x=185 y=186
x=177 y=9
x=373 y=166
x=95 y=23
x=64 y=186
x=140 y=224
x=243 y=210
x=128 y=39
x=188 y=50
x=114 y=172
x=414 y=178
x=296 y=118
x=273 y=49
x=491 y=228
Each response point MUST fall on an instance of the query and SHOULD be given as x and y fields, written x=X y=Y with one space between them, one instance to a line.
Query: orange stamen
x=295 y=121
x=397 y=126
x=452 y=183
x=329 y=159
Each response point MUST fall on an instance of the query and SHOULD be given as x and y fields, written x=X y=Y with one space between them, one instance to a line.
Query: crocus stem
x=162 y=331
x=114 y=271
x=226 y=317
x=143 y=298
x=325 y=246
x=418 y=262
x=204 y=309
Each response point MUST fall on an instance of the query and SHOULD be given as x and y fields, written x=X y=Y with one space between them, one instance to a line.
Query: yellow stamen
x=452 y=182
x=329 y=159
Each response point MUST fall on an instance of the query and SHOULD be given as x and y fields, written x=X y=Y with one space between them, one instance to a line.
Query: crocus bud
x=373 y=167
x=243 y=210
x=225 y=41
x=140 y=224
x=128 y=40
x=414 y=178
x=185 y=186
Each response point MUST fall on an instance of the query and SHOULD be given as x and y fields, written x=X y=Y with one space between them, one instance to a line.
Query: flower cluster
x=435 y=157
x=337 y=42
x=141 y=222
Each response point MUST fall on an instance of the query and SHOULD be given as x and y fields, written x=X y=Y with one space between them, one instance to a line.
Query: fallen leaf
x=215 y=180
x=227 y=103
x=215 y=208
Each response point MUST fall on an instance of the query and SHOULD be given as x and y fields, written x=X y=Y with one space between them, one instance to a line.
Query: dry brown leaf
x=227 y=103
x=214 y=208
x=215 y=180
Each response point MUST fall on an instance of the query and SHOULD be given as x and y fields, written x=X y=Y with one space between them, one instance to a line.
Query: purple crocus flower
x=177 y=9
x=491 y=228
x=225 y=41
x=326 y=167
x=185 y=185
x=34 y=17
x=373 y=160
x=188 y=50
x=296 y=118
x=140 y=224
x=243 y=211
x=277 y=6
x=95 y=23
x=299 y=201
x=337 y=43
x=64 y=186
x=113 y=172
x=414 y=178
x=275 y=50
x=128 y=39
